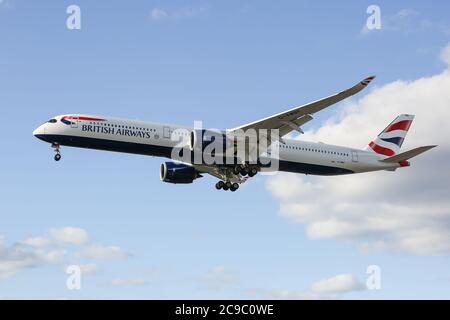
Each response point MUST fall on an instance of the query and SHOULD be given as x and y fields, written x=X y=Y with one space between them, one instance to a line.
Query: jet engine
x=172 y=172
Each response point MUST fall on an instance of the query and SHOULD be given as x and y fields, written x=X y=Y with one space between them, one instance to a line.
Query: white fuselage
x=156 y=139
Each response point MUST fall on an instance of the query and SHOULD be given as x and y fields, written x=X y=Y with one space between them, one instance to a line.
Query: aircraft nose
x=39 y=131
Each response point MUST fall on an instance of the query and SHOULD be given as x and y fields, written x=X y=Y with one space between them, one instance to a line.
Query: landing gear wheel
x=57 y=155
x=237 y=169
x=227 y=185
x=234 y=187
x=253 y=172
x=219 y=185
x=244 y=171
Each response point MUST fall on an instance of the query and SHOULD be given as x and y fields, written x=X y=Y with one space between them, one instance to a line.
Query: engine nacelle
x=172 y=172
x=201 y=139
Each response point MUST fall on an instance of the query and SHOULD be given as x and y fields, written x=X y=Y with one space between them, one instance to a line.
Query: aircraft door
x=166 y=132
x=354 y=156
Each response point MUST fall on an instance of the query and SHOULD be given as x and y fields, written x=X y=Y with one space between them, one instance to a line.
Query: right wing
x=292 y=119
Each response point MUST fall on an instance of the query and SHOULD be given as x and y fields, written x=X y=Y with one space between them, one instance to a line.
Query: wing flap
x=289 y=126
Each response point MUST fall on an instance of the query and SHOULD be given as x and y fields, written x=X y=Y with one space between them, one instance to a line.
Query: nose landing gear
x=57 y=151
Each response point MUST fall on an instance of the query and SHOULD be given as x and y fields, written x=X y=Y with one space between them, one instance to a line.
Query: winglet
x=367 y=80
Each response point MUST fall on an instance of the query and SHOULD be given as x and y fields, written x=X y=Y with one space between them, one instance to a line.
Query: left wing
x=292 y=119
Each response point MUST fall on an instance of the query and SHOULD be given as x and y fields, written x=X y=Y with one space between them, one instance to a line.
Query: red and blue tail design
x=390 y=140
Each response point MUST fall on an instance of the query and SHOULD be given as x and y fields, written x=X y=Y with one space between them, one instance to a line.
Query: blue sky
x=225 y=63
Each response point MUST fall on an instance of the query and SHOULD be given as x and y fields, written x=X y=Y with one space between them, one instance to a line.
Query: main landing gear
x=57 y=156
x=245 y=170
x=227 y=186
x=240 y=169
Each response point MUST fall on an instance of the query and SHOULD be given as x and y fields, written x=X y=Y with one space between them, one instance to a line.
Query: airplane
x=292 y=155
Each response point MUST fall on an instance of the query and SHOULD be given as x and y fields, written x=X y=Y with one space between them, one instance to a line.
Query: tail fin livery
x=390 y=140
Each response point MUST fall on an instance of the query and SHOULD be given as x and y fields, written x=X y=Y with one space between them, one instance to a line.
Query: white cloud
x=71 y=235
x=99 y=251
x=403 y=211
x=13 y=260
x=281 y=294
x=330 y=288
x=403 y=20
x=88 y=268
x=54 y=248
x=218 y=278
x=445 y=54
x=53 y=256
x=160 y=14
x=18 y=257
x=38 y=242
x=407 y=20
x=129 y=282
x=338 y=284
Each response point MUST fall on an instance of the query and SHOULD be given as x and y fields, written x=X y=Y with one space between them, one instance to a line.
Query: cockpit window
x=52 y=121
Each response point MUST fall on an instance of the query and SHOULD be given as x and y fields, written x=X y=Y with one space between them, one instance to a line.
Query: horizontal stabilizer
x=407 y=155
